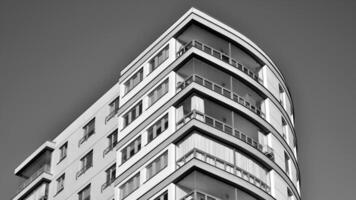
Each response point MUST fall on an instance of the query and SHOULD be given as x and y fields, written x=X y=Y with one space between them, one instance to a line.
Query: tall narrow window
x=60 y=183
x=112 y=140
x=158 y=92
x=133 y=81
x=158 y=59
x=110 y=176
x=157 y=128
x=86 y=163
x=89 y=130
x=84 y=194
x=157 y=165
x=132 y=114
x=114 y=107
x=131 y=149
x=63 y=151
x=129 y=186
x=286 y=163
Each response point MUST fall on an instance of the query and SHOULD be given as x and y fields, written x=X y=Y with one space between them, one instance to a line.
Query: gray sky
x=57 y=58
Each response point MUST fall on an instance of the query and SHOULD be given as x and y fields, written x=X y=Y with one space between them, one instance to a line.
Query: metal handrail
x=194 y=193
x=44 y=169
x=83 y=170
x=221 y=90
x=85 y=137
x=220 y=55
x=194 y=114
x=107 y=184
x=111 y=114
x=109 y=148
x=227 y=166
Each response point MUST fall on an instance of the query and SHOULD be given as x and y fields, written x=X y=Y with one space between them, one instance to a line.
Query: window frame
x=138 y=106
x=158 y=92
x=60 y=182
x=127 y=85
x=154 y=163
x=63 y=148
x=155 y=59
x=165 y=127
x=82 y=191
x=132 y=146
x=131 y=180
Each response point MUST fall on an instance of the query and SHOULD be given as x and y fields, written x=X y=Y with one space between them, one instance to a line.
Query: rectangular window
x=114 y=107
x=132 y=114
x=110 y=174
x=163 y=196
x=112 y=138
x=157 y=165
x=158 y=59
x=133 y=81
x=60 y=183
x=89 y=130
x=84 y=194
x=63 y=151
x=86 y=163
x=158 y=92
x=157 y=128
x=131 y=185
x=131 y=149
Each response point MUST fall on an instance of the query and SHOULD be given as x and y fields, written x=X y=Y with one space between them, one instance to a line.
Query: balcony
x=266 y=150
x=223 y=165
x=199 y=195
x=222 y=91
x=44 y=169
x=219 y=55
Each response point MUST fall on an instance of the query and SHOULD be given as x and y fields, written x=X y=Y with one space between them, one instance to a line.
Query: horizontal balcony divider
x=223 y=165
x=265 y=149
x=44 y=169
x=221 y=90
x=219 y=55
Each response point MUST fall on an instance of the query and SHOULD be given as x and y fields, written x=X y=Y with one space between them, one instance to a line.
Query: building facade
x=202 y=113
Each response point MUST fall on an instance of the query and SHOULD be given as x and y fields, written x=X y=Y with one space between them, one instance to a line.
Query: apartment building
x=202 y=113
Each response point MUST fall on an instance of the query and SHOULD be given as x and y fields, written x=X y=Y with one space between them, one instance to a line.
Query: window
x=84 y=194
x=89 y=130
x=157 y=128
x=284 y=128
x=111 y=174
x=60 y=183
x=63 y=151
x=133 y=81
x=132 y=114
x=86 y=163
x=157 y=165
x=158 y=92
x=163 y=196
x=159 y=58
x=286 y=163
x=112 y=139
x=114 y=107
x=131 y=149
x=131 y=185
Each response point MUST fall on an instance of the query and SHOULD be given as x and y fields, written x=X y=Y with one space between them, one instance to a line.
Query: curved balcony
x=219 y=55
x=199 y=195
x=266 y=150
x=223 y=165
x=222 y=91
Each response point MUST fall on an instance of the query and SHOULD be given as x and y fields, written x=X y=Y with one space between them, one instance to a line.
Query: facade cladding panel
x=202 y=113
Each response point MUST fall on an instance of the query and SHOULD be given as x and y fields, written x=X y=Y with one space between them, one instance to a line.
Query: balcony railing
x=43 y=169
x=223 y=165
x=107 y=184
x=198 y=195
x=221 y=90
x=111 y=114
x=266 y=150
x=108 y=149
x=220 y=55
x=83 y=170
x=85 y=137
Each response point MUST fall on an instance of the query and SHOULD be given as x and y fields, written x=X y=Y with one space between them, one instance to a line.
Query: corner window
x=157 y=128
x=158 y=92
x=158 y=59
x=132 y=114
x=133 y=81
x=131 y=149
x=157 y=165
